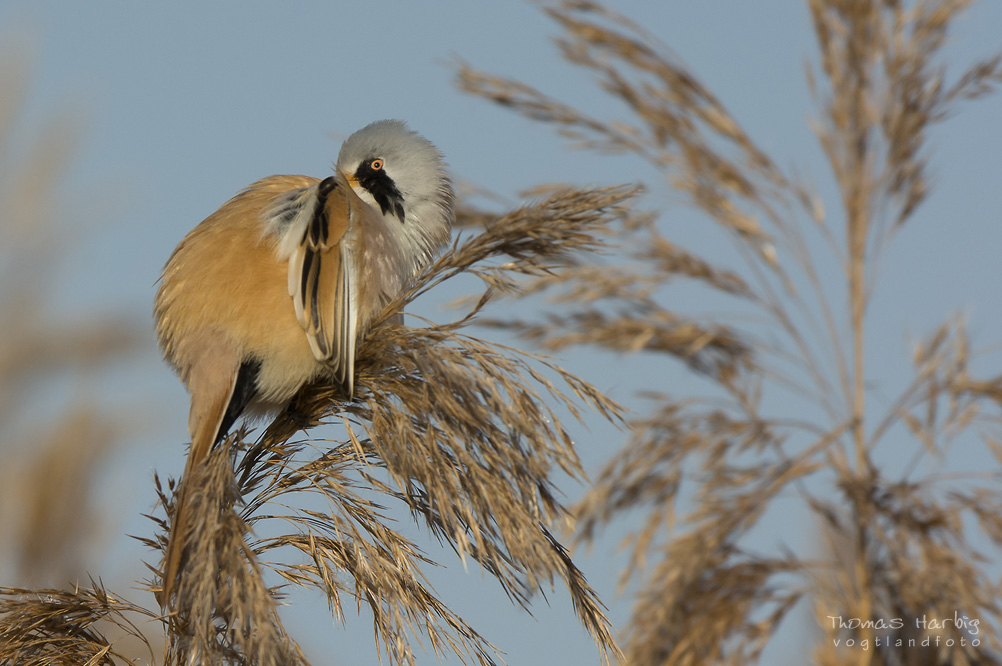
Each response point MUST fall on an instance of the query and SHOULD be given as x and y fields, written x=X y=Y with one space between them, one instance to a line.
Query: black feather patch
x=398 y=209
x=307 y=271
x=319 y=224
x=315 y=301
x=382 y=188
x=243 y=392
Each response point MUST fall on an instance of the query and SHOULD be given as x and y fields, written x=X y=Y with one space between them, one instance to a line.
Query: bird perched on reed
x=274 y=289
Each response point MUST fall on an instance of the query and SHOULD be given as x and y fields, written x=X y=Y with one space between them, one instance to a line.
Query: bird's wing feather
x=315 y=220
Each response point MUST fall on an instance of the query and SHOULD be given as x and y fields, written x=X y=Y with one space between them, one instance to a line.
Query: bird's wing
x=317 y=218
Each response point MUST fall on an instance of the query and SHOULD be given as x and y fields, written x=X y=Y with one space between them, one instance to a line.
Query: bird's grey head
x=402 y=173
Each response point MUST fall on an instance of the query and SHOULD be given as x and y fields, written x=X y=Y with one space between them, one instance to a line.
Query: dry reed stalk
x=726 y=458
x=50 y=452
x=45 y=627
x=461 y=432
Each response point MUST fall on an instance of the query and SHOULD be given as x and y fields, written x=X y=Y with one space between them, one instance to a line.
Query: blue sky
x=182 y=104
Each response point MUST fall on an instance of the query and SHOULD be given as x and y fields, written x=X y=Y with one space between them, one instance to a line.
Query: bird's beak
x=350 y=183
x=347 y=179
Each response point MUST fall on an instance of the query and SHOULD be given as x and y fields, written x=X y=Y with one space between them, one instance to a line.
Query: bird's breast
x=378 y=261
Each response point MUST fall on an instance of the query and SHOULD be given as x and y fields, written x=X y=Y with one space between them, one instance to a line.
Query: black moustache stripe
x=384 y=191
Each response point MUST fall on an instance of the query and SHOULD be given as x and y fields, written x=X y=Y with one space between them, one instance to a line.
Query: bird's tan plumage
x=273 y=289
x=224 y=281
x=224 y=295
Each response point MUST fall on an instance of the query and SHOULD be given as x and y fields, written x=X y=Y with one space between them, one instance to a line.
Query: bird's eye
x=376 y=165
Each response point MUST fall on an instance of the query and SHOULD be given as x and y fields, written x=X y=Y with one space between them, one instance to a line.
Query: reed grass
x=460 y=431
x=705 y=471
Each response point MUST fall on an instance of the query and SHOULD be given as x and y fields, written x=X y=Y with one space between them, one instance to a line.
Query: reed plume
x=907 y=539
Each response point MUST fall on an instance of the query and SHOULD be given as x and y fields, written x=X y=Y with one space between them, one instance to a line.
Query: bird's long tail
x=205 y=434
x=211 y=374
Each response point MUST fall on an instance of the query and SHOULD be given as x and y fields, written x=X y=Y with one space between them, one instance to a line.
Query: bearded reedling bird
x=274 y=289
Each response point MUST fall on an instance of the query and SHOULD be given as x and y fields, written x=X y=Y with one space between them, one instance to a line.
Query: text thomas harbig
x=958 y=621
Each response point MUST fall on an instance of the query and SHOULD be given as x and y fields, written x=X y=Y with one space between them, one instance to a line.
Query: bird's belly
x=284 y=371
x=276 y=339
